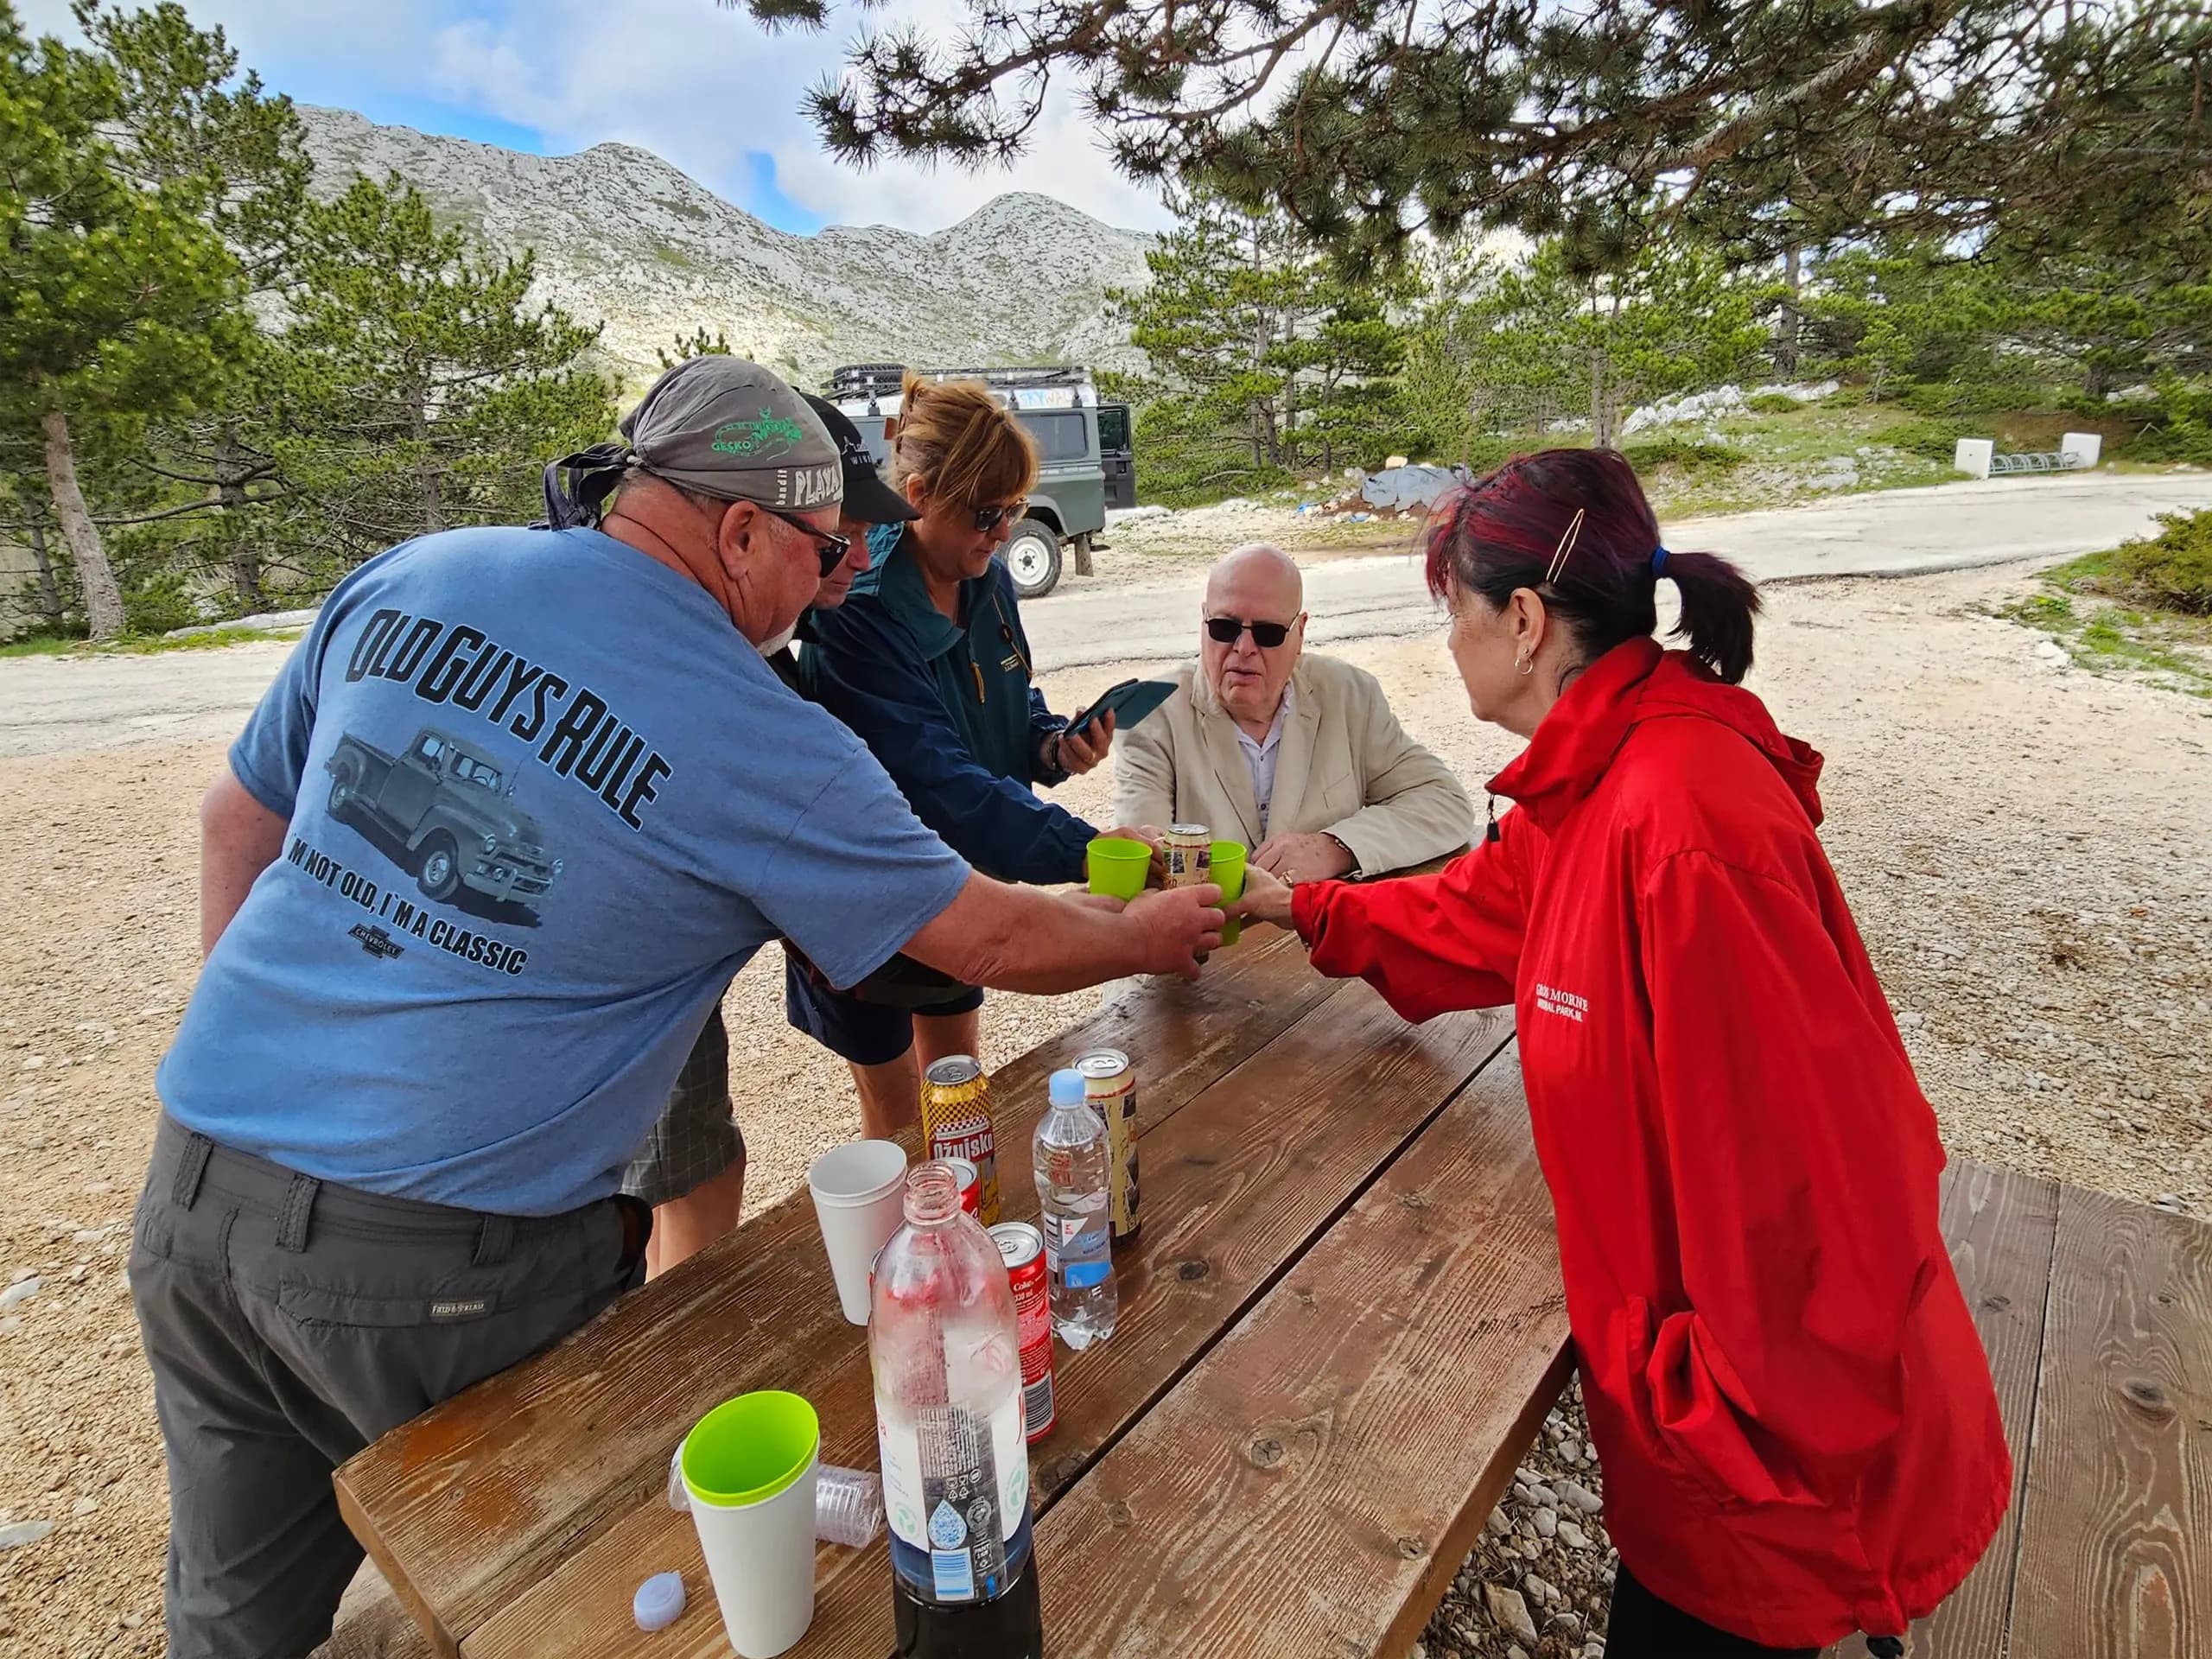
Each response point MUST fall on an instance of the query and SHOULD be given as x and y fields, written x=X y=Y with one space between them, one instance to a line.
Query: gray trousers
x=288 y=1322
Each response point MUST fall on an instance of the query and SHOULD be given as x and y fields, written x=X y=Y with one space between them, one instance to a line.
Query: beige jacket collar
x=1293 y=753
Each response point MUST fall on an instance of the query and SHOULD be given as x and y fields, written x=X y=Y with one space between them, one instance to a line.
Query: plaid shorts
x=697 y=1137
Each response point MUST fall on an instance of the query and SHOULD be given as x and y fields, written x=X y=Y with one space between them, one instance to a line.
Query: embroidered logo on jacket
x=1566 y=1004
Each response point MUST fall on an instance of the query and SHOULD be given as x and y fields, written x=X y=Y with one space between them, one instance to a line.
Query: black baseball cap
x=868 y=499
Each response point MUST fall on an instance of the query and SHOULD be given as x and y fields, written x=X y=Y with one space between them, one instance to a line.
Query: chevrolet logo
x=374 y=940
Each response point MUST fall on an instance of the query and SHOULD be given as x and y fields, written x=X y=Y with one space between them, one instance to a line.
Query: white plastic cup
x=860 y=1194
x=748 y=1470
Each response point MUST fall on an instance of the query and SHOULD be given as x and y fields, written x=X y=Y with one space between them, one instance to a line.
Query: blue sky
x=695 y=83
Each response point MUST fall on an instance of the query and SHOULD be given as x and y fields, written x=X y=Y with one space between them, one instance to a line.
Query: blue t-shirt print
x=444 y=809
x=541 y=802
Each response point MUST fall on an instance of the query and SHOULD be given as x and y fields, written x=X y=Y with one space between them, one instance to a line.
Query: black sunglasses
x=1266 y=635
x=829 y=547
x=992 y=517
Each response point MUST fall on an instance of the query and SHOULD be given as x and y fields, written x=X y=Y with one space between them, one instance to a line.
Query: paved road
x=50 y=704
x=1897 y=532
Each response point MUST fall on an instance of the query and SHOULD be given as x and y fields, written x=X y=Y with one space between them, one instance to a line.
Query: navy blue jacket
x=949 y=711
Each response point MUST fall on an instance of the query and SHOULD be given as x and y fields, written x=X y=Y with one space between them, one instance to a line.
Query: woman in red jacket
x=1793 y=1410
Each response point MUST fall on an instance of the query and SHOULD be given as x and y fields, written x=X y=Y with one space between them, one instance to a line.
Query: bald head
x=1256 y=574
x=1255 y=584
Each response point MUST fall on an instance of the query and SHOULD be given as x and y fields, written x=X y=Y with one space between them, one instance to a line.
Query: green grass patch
x=1689 y=455
x=152 y=645
x=2083 y=605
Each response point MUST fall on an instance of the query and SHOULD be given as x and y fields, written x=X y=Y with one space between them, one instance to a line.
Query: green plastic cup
x=1226 y=871
x=1118 y=866
x=746 y=1450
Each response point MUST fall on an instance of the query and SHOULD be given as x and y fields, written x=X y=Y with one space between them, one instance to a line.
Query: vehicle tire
x=1032 y=558
x=341 y=794
x=437 y=872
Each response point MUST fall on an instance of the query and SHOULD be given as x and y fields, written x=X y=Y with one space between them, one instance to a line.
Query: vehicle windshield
x=475 y=772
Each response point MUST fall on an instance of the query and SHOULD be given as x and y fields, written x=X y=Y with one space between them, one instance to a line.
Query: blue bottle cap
x=1067 y=1089
x=659 y=1601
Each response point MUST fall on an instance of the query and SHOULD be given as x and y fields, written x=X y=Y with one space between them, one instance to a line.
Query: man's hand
x=1180 y=927
x=1080 y=751
x=1151 y=837
x=1302 y=858
x=1266 y=899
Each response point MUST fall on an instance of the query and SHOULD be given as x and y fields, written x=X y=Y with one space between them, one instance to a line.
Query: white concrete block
x=1973 y=455
x=2081 y=448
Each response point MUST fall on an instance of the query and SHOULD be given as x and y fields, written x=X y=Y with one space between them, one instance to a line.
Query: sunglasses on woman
x=1266 y=635
x=992 y=517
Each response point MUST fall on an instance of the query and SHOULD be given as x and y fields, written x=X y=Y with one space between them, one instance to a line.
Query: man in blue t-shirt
x=484 y=860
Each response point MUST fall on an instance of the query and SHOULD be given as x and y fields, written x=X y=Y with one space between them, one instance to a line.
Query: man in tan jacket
x=1298 y=757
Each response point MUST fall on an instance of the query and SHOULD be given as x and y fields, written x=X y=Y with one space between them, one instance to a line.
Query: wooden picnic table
x=1340 y=1327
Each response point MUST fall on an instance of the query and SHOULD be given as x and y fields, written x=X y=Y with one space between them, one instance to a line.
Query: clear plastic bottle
x=1070 y=1156
x=946 y=1356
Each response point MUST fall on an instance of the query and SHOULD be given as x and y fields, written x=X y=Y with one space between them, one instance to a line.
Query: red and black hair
x=1508 y=531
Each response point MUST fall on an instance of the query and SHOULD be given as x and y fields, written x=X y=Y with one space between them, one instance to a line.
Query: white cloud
x=703 y=87
x=700 y=85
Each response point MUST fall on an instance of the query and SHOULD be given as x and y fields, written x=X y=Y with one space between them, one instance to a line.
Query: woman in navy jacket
x=928 y=663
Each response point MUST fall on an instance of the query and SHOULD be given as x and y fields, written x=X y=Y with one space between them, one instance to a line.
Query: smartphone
x=1129 y=702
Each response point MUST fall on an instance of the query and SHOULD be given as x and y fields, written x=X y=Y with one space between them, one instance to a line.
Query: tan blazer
x=1343 y=765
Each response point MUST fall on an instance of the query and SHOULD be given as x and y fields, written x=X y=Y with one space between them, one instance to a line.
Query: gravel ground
x=2025 y=845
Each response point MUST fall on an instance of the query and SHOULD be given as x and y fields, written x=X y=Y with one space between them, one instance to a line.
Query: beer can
x=1023 y=1247
x=971 y=1185
x=1110 y=1083
x=1186 y=850
x=957 y=1124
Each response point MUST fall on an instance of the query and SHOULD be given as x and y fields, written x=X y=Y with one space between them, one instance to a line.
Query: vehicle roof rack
x=883 y=379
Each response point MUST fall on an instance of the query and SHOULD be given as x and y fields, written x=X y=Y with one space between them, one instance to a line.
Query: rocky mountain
x=622 y=236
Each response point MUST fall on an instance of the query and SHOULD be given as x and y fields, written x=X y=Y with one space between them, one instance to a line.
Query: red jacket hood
x=1635 y=682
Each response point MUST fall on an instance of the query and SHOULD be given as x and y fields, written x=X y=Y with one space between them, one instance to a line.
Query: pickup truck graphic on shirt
x=449 y=808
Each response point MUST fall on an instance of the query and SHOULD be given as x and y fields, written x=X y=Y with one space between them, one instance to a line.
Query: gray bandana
x=730 y=428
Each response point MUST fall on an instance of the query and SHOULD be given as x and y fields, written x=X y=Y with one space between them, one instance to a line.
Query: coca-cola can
x=1023 y=1247
x=971 y=1185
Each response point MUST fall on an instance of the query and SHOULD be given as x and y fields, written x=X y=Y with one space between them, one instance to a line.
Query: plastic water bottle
x=946 y=1353
x=1070 y=1159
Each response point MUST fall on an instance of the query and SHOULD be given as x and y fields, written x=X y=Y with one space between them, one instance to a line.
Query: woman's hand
x=1077 y=753
x=1267 y=898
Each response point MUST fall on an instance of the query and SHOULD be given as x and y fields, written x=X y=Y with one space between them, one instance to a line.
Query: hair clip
x=1566 y=548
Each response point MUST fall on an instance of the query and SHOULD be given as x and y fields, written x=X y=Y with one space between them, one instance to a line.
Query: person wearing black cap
x=691 y=1168
x=484 y=860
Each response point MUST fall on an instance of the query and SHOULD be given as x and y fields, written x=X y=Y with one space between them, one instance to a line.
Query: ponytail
x=1718 y=602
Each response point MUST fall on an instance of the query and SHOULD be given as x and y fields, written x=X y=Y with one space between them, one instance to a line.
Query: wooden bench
x=2097 y=1314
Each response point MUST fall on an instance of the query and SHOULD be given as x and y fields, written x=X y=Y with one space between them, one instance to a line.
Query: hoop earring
x=1524 y=665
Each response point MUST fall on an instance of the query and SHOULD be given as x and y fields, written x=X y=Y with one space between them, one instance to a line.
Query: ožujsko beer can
x=971 y=1185
x=957 y=1124
x=1023 y=1247
x=1110 y=1083
x=1186 y=850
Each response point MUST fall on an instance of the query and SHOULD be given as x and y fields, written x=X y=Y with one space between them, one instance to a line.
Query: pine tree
x=1510 y=347
x=114 y=293
x=698 y=343
x=1757 y=124
x=424 y=390
x=1254 y=338
x=186 y=111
